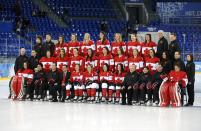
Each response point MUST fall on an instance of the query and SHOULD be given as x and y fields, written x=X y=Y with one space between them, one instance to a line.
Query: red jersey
x=108 y=59
x=71 y=46
x=100 y=45
x=147 y=46
x=85 y=46
x=131 y=46
x=93 y=76
x=115 y=47
x=58 y=48
x=27 y=74
x=106 y=77
x=93 y=62
x=138 y=61
x=47 y=62
x=179 y=76
x=152 y=62
x=76 y=60
x=119 y=78
x=121 y=60
x=62 y=61
x=76 y=77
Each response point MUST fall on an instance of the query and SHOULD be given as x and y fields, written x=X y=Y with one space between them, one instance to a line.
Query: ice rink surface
x=47 y=116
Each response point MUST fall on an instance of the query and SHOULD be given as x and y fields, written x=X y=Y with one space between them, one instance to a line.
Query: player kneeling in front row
x=172 y=87
x=130 y=86
x=38 y=82
x=54 y=82
x=91 y=83
x=21 y=83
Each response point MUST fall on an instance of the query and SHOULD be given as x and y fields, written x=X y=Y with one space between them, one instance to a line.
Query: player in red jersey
x=60 y=45
x=91 y=59
x=117 y=43
x=103 y=42
x=120 y=59
x=169 y=92
x=73 y=44
x=147 y=45
x=86 y=44
x=62 y=59
x=133 y=44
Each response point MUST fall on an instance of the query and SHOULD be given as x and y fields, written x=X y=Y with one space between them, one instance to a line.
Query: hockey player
x=151 y=61
x=62 y=59
x=117 y=43
x=21 y=83
x=73 y=44
x=105 y=58
x=91 y=83
x=120 y=59
x=137 y=60
x=77 y=82
x=130 y=84
x=65 y=81
x=145 y=85
x=133 y=44
x=118 y=81
x=91 y=59
x=76 y=59
x=106 y=82
x=157 y=79
x=38 y=82
x=47 y=61
x=86 y=44
x=171 y=86
x=103 y=42
x=54 y=82
x=147 y=45
x=60 y=45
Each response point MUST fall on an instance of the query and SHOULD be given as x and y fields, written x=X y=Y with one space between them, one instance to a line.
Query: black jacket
x=158 y=77
x=48 y=46
x=33 y=62
x=145 y=78
x=190 y=71
x=180 y=62
x=67 y=78
x=162 y=46
x=38 y=48
x=173 y=47
x=19 y=62
x=39 y=76
x=56 y=76
x=167 y=65
x=131 y=78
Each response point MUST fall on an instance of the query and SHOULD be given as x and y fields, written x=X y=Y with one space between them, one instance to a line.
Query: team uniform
x=118 y=81
x=108 y=59
x=91 y=84
x=62 y=61
x=131 y=46
x=71 y=46
x=93 y=62
x=146 y=47
x=106 y=80
x=120 y=60
x=85 y=46
x=47 y=62
x=116 y=45
x=76 y=60
x=100 y=45
x=169 y=92
x=137 y=61
x=65 y=82
x=76 y=79
x=58 y=48
x=152 y=63
x=20 y=83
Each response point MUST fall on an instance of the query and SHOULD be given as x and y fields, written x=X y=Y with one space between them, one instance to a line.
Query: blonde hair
x=120 y=37
x=85 y=35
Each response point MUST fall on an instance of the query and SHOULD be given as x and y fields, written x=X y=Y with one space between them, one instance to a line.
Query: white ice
x=47 y=116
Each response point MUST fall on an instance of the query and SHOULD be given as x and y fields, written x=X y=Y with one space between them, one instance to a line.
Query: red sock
x=117 y=93
x=76 y=92
x=93 y=92
x=80 y=92
x=110 y=93
x=104 y=91
x=67 y=92
x=89 y=92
